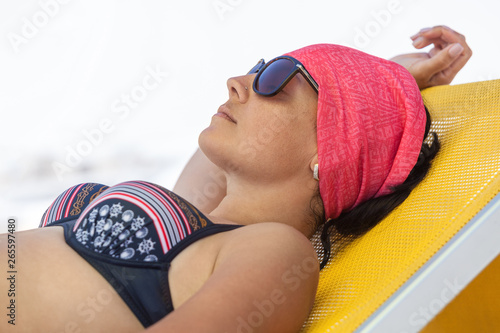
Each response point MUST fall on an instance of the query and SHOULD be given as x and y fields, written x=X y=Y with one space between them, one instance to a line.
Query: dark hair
x=356 y=222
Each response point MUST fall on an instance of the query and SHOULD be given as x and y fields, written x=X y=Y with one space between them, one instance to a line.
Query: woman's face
x=264 y=138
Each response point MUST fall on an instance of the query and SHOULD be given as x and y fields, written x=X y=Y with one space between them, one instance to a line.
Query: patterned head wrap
x=370 y=124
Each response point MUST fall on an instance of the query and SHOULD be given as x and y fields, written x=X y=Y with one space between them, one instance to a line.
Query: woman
x=128 y=255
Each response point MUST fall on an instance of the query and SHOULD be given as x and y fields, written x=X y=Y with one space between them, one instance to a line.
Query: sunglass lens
x=273 y=76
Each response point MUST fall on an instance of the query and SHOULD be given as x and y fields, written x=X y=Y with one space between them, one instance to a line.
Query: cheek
x=273 y=130
x=282 y=140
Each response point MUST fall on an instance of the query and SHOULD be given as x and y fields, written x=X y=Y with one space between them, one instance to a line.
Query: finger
x=434 y=32
x=440 y=36
x=434 y=51
x=457 y=65
x=421 y=42
x=442 y=60
x=445 y=37
x=447 y=75
x=419 y=33
x=445 y=34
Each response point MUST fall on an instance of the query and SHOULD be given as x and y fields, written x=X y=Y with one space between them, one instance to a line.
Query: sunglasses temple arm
x=309 y=78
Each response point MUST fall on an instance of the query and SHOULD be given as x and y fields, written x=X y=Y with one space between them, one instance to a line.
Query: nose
x=239 y=87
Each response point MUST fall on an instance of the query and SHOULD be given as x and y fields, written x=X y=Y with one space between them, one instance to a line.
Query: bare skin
x=262 y=276
x=439 y=66
x=58 y=291
x=204 y=183
x=270 y=265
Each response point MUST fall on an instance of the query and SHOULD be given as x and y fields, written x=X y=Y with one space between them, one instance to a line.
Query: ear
x=313 y=162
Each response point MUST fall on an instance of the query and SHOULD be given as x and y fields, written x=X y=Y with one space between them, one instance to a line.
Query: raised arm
x=202 y=183
x=264 y=280
x=440 y=65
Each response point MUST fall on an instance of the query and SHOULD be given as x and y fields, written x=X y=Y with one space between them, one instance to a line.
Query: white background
x=66 y=65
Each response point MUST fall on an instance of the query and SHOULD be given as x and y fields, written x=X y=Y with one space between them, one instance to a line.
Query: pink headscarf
x=371 y=123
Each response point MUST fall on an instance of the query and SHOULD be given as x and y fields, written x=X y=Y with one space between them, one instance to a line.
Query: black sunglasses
x=273 y=77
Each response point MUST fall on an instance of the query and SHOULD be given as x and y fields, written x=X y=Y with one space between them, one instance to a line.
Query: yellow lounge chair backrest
x=464 y=177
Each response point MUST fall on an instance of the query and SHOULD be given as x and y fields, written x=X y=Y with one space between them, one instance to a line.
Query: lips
x=224 y=113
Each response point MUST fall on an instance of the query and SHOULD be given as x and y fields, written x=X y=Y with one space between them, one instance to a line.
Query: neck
x=287 y=202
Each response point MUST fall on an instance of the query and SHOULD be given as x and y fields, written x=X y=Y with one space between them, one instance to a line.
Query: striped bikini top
x=133 y=229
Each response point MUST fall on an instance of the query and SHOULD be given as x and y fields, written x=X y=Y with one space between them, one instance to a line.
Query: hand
x=440 y=65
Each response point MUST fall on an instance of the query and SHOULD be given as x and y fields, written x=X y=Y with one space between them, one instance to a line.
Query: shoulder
x=270 y=237
x=276 y=264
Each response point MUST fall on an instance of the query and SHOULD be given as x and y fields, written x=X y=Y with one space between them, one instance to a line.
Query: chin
x=220 y=149
x=211 y=144
x=202 y=140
